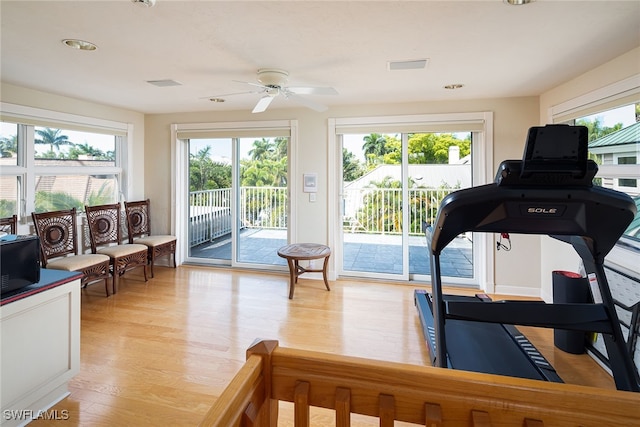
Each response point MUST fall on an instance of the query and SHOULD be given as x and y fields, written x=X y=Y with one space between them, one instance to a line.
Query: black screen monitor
x=19 y=262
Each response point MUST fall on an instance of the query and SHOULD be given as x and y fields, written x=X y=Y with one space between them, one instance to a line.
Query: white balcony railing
x=366 y=210
x=210 y=211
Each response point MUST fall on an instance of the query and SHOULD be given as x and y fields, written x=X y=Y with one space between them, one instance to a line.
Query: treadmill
x=550 y=192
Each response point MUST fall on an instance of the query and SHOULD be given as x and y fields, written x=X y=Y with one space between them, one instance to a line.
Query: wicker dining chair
x=139 y=228
x=105 y=236
x=58 y=235
x=9 y=225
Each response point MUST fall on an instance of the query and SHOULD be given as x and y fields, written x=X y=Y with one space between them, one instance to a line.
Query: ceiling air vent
x=414 y=64
x=164 y=83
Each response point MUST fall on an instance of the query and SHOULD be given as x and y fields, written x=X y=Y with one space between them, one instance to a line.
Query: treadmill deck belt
x=485 y=347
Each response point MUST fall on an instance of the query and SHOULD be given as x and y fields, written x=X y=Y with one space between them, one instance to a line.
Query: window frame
x=27 y=119
x=479 y=123
x=625 y=254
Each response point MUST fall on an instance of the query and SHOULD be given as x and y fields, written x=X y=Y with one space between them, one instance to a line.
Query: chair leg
x=114 y=281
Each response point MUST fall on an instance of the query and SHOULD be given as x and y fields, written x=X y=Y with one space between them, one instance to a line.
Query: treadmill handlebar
x=549 y=191
x=596 y=214
x=577 y=317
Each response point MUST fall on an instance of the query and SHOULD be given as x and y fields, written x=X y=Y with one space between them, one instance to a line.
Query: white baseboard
x=520 y=291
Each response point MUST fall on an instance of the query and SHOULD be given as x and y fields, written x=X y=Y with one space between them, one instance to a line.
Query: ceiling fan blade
x=306 y=102
x=262 y=104
x=310 y=90
x=252 y=84
x=229 y=94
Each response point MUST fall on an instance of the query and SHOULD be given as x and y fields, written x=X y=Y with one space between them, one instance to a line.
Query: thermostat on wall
x=310 y=182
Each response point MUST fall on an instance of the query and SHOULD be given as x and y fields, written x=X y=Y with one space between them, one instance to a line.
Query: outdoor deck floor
x=380 y=254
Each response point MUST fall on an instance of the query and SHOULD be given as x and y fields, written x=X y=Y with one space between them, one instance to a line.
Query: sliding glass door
x=392 y=185
x=238 y=200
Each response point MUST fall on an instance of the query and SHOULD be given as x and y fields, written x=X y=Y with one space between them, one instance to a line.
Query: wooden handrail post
x=433 y=415
x=264 y=349
x=301 y=404
x=480 y=419
x=387 y=412
x=343 y=407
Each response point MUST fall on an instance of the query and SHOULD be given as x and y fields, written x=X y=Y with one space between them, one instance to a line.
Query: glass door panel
x=384 y=189
x=439 y=163
x=262 y=220
x=210 y=199
x=238 y=201
x=372 y=232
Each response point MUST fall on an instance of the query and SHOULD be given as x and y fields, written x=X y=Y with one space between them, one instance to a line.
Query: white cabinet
x=40 y=337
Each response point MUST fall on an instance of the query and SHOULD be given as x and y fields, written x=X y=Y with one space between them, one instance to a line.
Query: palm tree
x=85 y=149
x=596 y=128
x=197 y=169
x=262 y=149
x=381 y=211
x=279 y=171
x=205 y=174
x=281 y=147
x=351 y=167
x=8 y=146
x=53 y=138
x=374 y=145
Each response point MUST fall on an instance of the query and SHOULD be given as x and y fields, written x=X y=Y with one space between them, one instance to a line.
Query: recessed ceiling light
x=79 y=44
x=517 y=2
x=216 y=99
x=453 y=86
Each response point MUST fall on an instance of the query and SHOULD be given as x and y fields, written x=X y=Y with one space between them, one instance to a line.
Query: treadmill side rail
x=577 y=317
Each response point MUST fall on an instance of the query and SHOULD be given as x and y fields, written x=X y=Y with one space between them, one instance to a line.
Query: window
x=612 y=116
x=9 y=184
x=613 y=142
x=53 y=161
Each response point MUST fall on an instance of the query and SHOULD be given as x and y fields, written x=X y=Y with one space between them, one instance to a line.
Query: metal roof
x=628 y=135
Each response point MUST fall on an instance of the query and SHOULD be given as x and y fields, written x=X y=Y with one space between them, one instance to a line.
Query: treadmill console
x=554 y=155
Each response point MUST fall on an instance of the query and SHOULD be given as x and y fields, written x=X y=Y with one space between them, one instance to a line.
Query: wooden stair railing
x=422 y=395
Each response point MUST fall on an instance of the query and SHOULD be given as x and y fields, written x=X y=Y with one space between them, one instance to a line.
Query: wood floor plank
x=160 y=352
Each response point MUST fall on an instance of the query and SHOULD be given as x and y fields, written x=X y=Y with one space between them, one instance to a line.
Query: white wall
x=554 y=255
x=515 y=271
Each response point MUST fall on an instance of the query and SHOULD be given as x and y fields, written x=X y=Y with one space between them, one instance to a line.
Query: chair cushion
x=77 y=262
x=122 y=250
x=154 y=240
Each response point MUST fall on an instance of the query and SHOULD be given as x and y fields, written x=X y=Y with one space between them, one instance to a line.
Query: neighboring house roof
x=634 y=228
x=628 y=135
x=429 y=176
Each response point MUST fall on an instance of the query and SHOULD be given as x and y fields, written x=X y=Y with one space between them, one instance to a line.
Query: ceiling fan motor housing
x=272 y=77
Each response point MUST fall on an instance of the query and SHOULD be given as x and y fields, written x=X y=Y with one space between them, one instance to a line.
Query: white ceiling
x=494 y=49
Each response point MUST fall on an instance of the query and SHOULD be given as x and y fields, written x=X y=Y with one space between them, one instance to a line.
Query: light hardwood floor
x=159 y=353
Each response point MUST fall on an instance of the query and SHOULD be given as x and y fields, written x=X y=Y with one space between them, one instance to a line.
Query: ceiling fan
x=271 y=82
